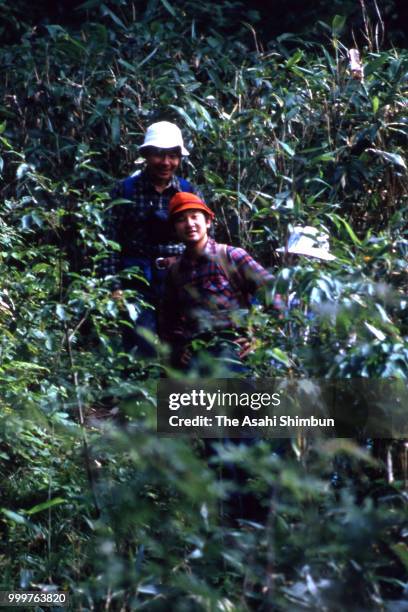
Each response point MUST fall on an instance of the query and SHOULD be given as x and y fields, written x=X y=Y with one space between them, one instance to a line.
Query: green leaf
x=338 y=24
x=13 y=516
x=55 y=31
x=338 y=220
x=213 y=42
x=186 y=117
x=115 y=130
x=45 y=505
x=401 y=550
x=280 y=356
x=374 y=63
x=330 y=62
x=296 y=57
x=126 y=65
x=6 y=143
x=87 y=5
x=61 y=314
x=148 y=57
x=393 y=158
x=28 y=365
x=22 y=170
x=203 y=112
x=133 y=313
x=168 y=7
x=324 y=157
x=376 y=104
x=115 y=18
x=377 y=333
x=287 y=148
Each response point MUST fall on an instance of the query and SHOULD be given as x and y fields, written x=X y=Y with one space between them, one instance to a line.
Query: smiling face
x=161 y=164
x=191 y=227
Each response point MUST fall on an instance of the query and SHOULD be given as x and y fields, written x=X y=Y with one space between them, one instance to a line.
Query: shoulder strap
x=222 y=259
x=129 y=187
x=174 y=270
x=185 y=185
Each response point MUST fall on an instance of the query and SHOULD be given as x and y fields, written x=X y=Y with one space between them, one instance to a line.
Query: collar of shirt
x=209 y=249
x=208 y=254
x=174 y=183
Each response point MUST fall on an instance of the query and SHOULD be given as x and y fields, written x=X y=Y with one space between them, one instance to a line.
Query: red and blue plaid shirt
x=200 y=298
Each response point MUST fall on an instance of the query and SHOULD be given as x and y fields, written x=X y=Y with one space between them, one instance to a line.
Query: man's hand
x=185 y=357
x=246 y=346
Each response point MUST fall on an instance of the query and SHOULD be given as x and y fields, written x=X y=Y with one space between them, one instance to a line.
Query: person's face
x=191 y=226
x=162 y=163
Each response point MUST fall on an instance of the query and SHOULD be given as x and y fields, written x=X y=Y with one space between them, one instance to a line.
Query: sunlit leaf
x=376 y=332
x=61 y=313
x=45 y=505
x=14 y=516
x=376 y=104
x=401 y=550
x=168 y=7
x=393 y=158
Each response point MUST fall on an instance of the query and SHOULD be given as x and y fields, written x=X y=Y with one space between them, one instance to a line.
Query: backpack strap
x=174 y=270
x=129 y=187
x=185 y=185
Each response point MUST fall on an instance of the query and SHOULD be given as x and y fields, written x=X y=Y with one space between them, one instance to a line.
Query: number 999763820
x=33 y=598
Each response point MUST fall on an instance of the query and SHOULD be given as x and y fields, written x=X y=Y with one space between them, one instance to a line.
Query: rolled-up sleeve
x=254 y=276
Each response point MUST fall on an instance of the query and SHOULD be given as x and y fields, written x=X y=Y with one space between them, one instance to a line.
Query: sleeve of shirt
x=110 y=265
x=253 y=275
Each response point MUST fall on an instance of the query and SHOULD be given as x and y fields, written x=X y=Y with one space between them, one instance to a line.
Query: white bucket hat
x=164 y=135
x=308 y=241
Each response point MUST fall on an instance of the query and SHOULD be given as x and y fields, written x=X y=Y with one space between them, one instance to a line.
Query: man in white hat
x=140 y=225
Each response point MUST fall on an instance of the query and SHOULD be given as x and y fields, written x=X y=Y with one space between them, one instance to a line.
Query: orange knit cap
x=187 y=201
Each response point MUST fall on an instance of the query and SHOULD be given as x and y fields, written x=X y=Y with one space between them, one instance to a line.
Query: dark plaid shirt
x=200 y=298
x=127 y=223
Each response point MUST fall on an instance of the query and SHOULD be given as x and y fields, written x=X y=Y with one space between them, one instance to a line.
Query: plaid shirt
x=126 y=224
x=200 y=298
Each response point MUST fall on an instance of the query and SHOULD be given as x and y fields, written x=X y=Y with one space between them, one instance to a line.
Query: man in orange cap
x=209 y=289
x=204 y=316
x=140 y=227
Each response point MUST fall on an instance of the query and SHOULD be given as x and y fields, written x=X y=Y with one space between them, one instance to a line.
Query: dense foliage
x=280 y=133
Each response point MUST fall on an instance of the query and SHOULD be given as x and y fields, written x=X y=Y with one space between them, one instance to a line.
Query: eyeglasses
x=163 y=153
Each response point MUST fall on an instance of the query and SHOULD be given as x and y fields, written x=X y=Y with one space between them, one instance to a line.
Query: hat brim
x=192 y=206
x=317 y=253
x=157 y=145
